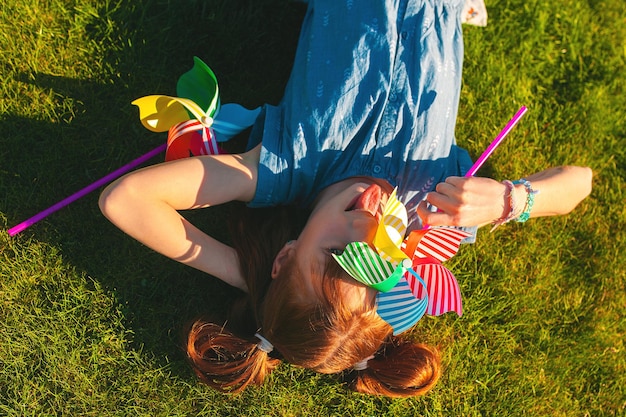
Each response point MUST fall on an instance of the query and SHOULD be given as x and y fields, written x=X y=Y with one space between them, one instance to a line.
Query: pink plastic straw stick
x=492 y=147
x=102 y=181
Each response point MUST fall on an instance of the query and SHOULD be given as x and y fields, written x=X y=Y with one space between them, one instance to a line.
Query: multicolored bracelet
x=509 y=195
x=530 y=200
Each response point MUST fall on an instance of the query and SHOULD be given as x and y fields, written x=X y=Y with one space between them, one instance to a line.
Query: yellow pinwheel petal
x=391 y=231
x=158 y=113
x=388 y=250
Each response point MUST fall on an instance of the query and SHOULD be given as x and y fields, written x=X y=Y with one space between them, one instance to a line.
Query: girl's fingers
x=444 y=199
x=464 y=202
x=445 y=188
x=454 y=180
x=439 y=218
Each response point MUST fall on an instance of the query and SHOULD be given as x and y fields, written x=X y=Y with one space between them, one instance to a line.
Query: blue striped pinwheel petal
x=399 y=307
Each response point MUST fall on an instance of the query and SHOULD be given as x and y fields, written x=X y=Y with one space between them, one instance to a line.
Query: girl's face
x=348 y=211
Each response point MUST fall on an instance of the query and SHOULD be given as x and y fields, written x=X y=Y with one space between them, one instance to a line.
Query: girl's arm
x=476 y=201
x=144 y=204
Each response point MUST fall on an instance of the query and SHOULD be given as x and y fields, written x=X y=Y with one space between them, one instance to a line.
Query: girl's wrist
x=509 y=206
x=528 y=199
x=520 y=198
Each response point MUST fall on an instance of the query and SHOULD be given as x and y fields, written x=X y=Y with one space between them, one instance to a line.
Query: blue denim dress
x=374 y=91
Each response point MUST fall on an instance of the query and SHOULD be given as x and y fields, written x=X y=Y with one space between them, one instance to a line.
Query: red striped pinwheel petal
x=190 y=138
x=441 y=243
x=444 y=294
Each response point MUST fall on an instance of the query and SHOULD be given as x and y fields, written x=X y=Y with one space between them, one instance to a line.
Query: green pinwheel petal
x=199 y=84
x=393 y=279
x=364 y=265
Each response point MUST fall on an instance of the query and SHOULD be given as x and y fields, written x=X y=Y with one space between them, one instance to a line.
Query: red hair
x=323 y=334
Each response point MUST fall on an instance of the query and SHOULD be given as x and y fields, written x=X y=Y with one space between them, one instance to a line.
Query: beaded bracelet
x=511 y=199
x=530 y=200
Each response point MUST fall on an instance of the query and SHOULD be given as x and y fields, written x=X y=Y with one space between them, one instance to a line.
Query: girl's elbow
x=105 y=202
x=581 y=185
x=112 y=199
x=583 y=180
x=587 y=180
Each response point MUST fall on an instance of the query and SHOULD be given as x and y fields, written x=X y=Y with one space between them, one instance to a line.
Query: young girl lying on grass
x=371 y=104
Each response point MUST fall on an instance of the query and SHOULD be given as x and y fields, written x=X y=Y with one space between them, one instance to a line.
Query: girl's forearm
x=561 y=189
x=477 y=201
x=145 y=205
x=159 y=226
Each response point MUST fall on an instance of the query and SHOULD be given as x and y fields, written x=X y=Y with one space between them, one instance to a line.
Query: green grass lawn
x=91 y=322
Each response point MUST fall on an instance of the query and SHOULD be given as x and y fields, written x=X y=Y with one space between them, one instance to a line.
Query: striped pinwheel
x=195 y=120
x=407 y=273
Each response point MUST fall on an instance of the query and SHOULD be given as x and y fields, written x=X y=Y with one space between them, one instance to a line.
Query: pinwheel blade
x=364 y=265
x=159 y=113
x=400 y=308
x=199 y=85
x=232 y=120
x=190 y=138
x=442 y=289
x=441 y=243
x=391 y=230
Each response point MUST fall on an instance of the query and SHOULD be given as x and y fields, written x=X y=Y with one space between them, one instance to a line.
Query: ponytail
x=229 y=359
x=324 y=333
x=224 y=361
x=399 y=369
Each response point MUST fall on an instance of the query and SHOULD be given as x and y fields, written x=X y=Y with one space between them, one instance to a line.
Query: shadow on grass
x=96 y=130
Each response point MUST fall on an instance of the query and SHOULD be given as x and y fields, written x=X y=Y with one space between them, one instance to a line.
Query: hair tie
x=362 y=365
x=264 y=344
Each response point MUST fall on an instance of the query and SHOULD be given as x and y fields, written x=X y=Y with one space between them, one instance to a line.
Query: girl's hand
x=476 y=201
x=465 y=201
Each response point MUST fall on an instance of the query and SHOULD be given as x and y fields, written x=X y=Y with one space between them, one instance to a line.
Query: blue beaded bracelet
x=530 y=200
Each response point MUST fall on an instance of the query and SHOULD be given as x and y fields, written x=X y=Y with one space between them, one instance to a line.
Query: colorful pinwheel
x=195 y=120
x=407 y=273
